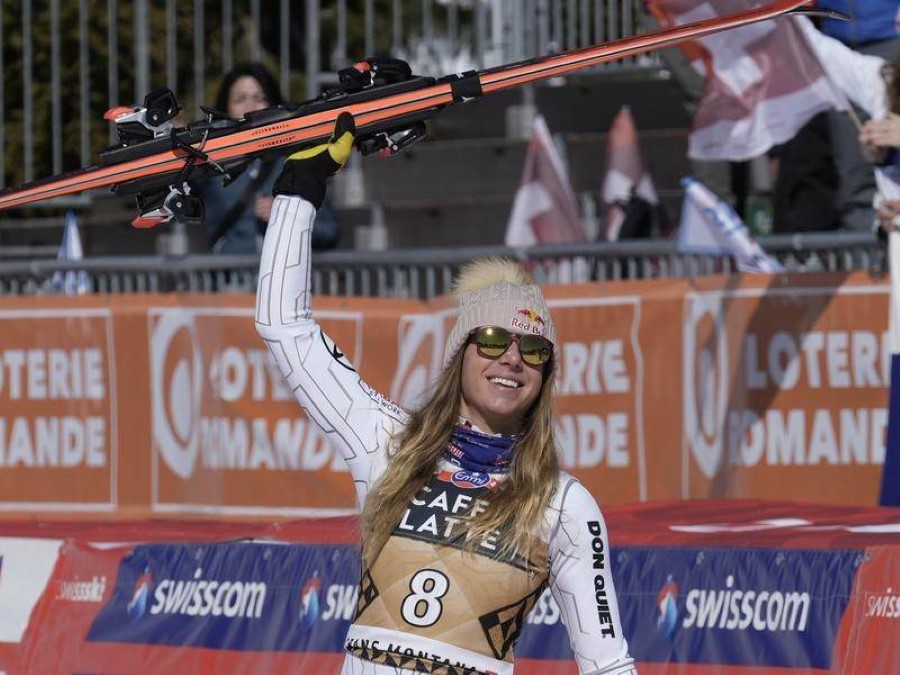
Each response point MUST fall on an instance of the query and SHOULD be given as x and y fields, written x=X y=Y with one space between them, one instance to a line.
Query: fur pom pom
x=486 y=272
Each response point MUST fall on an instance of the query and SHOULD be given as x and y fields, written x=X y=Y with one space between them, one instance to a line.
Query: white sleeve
x=582 y=585
x=356 y=419
x=857 y=76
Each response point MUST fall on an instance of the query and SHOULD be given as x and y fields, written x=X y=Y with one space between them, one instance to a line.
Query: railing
x=61 y=66
x=425 y=273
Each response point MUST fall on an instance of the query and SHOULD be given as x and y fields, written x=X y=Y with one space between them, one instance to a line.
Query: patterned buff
x=477 y=451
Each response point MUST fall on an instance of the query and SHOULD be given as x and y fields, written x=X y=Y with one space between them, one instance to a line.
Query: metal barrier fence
x=425 y=273
x=63 y=64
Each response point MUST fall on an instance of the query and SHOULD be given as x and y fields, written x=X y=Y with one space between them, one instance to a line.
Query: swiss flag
x=545 y=210
x=766 y=80
x=625 y=177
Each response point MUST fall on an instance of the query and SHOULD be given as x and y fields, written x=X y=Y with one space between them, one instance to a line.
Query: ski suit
x=425 y=606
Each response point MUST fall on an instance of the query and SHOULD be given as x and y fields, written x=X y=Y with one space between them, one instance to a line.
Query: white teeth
x=505 y=382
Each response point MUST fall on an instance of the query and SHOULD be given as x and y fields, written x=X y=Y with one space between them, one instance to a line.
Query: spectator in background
x=811 y=180
x=881 y=138
x=872 y=30
x=806 y=180
x=236 y=214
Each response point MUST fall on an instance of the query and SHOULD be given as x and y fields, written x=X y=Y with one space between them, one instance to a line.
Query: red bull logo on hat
x=528 y=321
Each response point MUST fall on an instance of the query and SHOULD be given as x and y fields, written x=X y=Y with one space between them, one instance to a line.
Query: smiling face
x=497 y=393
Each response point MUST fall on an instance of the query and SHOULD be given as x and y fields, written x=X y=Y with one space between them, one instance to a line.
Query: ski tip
x=146 y=222
x=820 y=13
x=115 y=113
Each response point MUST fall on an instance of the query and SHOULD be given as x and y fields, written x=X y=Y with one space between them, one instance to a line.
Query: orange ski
x=155 y=161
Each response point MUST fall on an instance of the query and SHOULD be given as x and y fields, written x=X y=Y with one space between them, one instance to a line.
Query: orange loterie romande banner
x=754 y=387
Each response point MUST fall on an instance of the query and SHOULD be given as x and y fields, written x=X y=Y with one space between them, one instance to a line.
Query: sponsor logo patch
x=527 y=320
x=81 y=590
x=883 y=606
x=468 y=480
x=736 y=608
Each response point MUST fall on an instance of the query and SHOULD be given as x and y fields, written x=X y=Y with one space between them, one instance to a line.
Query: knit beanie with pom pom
x=498 y=292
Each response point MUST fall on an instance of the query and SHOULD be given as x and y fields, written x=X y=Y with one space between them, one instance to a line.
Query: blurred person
x=872 y=30
x=811 y=178
x=806 y=180
x=881 y=139
x=466 y=515
x=236 y=214
x=783 y=100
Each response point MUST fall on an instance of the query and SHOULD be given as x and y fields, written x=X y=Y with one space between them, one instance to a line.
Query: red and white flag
x=545 y=210
x=625 y=176
x=766 y=80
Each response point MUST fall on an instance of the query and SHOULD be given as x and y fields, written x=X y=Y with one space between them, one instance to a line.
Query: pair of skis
x=155 y=161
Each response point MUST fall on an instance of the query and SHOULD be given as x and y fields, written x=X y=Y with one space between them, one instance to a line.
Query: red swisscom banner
x=715 y=587
x=718 y=387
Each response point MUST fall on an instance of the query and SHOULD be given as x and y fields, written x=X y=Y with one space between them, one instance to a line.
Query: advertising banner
x=783 y=384
x=58 y=410
x=738 y=387
x=737 y=607
x=870 y=628
x=82 y=582
x=601 y=359
x=729 y=587
x=249 y=596
x=228 y=436
x=26 y=566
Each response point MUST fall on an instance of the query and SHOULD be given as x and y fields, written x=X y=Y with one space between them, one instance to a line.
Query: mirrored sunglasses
x=493 y=341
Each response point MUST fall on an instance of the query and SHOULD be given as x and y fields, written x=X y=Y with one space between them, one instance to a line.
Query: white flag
x=71 y=283
x=887 y=180
x=545 y=210
x=766 y=80
x=709 y=225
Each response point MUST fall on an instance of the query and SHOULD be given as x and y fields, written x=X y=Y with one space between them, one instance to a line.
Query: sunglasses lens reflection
x=493 y=342
x=535 y=349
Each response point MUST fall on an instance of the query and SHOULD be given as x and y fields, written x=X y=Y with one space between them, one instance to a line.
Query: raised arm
x=357 y=420
x=582 y=585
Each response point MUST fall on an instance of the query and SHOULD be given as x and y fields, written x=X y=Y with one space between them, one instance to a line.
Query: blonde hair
x=516 y=506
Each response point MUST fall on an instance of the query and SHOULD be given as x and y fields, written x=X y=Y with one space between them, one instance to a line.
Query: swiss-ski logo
x=667 y=605
x=137 y=606
x=309 y=600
